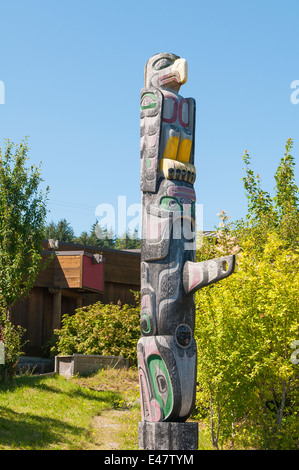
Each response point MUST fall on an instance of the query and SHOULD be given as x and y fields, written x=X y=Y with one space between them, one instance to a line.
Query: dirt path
x=107 y=427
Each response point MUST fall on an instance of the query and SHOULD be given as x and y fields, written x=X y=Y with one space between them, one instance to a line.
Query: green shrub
x=104 y=329
x=12 y=338
x=246 y=324
x=245 y=327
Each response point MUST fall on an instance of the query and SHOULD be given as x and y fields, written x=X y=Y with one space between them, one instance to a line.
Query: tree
x=279 y=213
x=61 y=231
x=22 y=223
x=244 y=331
x=128 y=241
x=245 y=325
x=83 y=239
x=287 y=198
x=97 y=236
x=104 y=238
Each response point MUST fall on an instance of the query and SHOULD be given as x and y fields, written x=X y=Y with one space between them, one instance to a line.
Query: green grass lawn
x=54 y=413
x=50 y=413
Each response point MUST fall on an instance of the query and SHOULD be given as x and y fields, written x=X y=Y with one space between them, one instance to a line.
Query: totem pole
x=167 y=356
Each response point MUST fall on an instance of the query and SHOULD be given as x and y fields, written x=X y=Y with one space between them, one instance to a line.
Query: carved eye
x=183 y=335
x=162 y=63
x=170 y=204
x=162 y=383
x=148 y=101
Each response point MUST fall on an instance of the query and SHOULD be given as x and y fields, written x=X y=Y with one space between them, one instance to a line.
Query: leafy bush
x=246 y=324
x=244 y=330
x=22 y=219
x=104 y=329
x=12 y=338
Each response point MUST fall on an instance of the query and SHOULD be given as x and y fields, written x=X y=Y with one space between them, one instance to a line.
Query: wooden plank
x=123 y=268
x=115 y=292
x=71 y=261
x=68 y=271
x=48 y=316
x=66 y=278
x=69 y=293
x=57 y=310
x=35 y=320
x=45 y=277
x=20 y=314
x=123 y=259
x=122 y=274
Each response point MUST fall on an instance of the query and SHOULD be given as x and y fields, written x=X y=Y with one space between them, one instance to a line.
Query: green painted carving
x=161 y=383
x=148 y=101
x=145 y=323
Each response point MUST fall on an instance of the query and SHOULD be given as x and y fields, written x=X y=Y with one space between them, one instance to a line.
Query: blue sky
x=73 y=71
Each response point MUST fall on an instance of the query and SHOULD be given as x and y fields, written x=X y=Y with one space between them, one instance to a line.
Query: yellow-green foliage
x=104 y=329
x=245 y=328
x=247 y=325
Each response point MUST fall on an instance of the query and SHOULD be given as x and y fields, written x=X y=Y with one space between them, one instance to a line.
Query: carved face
x=167 y=215
x=179 y=199
x=166 y=71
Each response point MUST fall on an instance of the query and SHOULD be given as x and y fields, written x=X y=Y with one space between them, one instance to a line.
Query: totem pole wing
x=204 y=273
x=151 y=106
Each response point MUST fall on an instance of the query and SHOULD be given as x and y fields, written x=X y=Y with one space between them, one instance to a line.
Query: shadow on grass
x=75 y=390
x=35 y=430
x=28 y=431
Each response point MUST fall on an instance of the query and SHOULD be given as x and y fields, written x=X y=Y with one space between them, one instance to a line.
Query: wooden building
x=75 y=276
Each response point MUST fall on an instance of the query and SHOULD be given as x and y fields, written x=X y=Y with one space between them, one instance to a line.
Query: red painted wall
x=93 y=274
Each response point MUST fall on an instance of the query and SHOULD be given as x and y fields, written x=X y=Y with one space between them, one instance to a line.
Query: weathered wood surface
x=167 y=354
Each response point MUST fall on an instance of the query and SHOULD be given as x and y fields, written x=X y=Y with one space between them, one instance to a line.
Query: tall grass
x=50 y=413
x=54 y=413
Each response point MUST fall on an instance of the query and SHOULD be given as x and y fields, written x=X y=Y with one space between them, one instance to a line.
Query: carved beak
x=181 y=68
x=176 y=75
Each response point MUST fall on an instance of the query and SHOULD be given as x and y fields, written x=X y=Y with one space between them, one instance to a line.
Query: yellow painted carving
x=165 y=164
x=171 y=148
x=184 y=150
x=168 y=169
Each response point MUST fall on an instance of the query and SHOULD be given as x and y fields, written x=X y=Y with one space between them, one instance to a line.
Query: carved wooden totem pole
x=167 y=357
